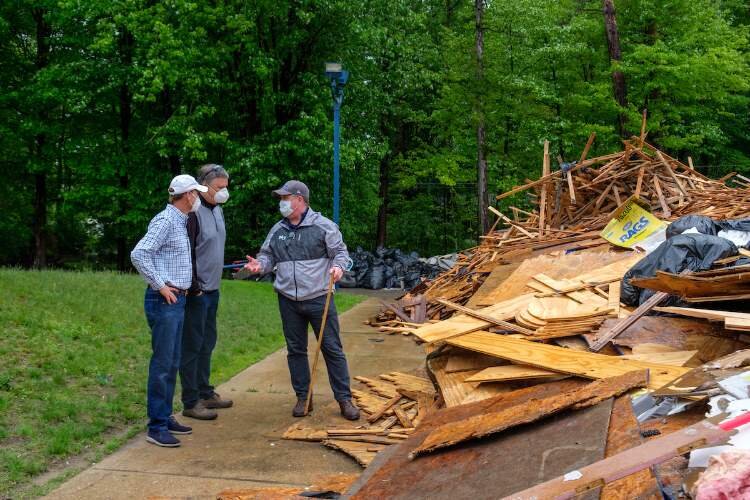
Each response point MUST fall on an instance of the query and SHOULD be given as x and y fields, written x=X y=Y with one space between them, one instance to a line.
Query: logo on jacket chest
x=286 y=236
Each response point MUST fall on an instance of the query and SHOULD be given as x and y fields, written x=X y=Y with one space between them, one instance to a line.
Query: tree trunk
x=126 y=116
x=615 y=56
x=173 y=159
x=39 y=227
x=483 y=199
x=382 y=236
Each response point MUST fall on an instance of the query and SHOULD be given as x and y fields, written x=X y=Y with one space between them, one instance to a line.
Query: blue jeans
x=165 y=321
x=296 y=317
x=198 y=342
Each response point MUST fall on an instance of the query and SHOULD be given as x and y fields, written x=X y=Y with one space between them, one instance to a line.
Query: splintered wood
x=490 y=423
x=394 y=403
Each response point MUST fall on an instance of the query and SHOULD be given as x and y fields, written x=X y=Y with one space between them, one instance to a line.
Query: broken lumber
x=584 y=364
x=492 y=423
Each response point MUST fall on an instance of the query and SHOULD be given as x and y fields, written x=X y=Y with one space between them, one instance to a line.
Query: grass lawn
x=74 y=357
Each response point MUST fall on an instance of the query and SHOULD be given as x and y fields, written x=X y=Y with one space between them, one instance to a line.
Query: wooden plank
x=639 y=182
x=735 y=323
x=484 y=317
x=387 y=406
x=487 y=424
x=379 y=387
x=358 y=451
x=623 y=434
x=511 y=372
x=510 y=222
x=652 y=452
x=674 y=358
x=543 y=200
x=625 y=323
x=460 y=360
x=402 y=417
x=666 y=212
x=613 y=299
x=584 y=364
x=458 y=325
x=297 y=432
x=672 y=174
x=709 y=314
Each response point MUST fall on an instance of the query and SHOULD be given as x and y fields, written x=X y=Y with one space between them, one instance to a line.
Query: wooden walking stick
x=320 y=342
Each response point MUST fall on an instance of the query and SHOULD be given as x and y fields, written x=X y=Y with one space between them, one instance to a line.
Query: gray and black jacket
x=303 y=255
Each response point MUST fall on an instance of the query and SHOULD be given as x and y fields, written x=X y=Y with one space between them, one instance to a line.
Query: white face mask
x=285 y=207
x=196 y=204
x=221 y=196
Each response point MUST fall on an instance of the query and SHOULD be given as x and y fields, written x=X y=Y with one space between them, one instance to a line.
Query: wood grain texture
x=461 y=324
x=491 y=423
x=511 y=372
x=624 y=433
x=584 y=364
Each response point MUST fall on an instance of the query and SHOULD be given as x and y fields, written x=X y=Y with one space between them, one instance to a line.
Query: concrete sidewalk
x=243 y=447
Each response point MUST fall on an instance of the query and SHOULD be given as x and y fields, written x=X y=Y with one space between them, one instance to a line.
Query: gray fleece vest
x=209 y=247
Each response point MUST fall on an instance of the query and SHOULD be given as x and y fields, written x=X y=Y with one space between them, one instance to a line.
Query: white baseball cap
x=184 y=183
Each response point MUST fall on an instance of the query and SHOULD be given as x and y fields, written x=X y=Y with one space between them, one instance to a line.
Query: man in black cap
x=305 y=248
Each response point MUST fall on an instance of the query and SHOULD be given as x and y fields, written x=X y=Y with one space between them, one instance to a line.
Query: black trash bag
x=695 y=252
x=348 y=280
x=736 y=224
x=375 y=277
x=704 y=225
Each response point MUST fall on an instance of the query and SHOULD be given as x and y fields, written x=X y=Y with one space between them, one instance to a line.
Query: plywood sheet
x=519 y=459
x=710 y=340
x=624 y=433
x=486 y=424
x=460 y=324
x=511 y=372
x=584 y=364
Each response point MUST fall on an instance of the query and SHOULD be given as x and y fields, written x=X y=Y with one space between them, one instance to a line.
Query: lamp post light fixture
x=338 y=76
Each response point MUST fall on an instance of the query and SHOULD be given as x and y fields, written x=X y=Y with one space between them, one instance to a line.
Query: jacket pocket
x=311 y=277
x=284 y=282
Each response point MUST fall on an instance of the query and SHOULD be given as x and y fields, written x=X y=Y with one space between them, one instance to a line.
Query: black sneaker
x=175 y=427
x=162 y=438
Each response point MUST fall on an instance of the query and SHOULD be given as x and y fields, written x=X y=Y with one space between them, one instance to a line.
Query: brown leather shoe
x=215 y=401
x=200 y=412
x=299 y=408
x=348 y=410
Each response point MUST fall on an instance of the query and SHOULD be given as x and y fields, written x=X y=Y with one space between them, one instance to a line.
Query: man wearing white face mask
x=305 y=248
x=207 y=234
x=163 y=258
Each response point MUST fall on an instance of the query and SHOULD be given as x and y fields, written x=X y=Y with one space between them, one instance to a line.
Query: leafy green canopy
x=102 y=102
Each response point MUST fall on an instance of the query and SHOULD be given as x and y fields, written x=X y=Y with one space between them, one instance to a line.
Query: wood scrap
x=626 y=323
x=491 y=423
x=511 y=372
x=584 y=364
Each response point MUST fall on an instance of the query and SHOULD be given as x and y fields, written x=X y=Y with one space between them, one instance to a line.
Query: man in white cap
x=163 y=259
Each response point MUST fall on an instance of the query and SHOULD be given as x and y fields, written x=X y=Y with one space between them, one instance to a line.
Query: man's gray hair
x=211 y=171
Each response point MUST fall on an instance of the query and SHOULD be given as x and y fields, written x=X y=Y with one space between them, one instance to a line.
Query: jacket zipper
x=294 y=273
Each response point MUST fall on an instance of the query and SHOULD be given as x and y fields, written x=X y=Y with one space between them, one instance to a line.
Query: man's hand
x=168 y=293
x=337 y=273
x=252 y=265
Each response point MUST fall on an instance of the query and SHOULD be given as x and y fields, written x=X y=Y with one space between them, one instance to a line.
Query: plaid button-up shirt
x=162 y=256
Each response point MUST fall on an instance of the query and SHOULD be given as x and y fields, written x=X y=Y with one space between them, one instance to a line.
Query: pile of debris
x=392 y=268
x=395 y=403
x=574 y=204
x=537 y=330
